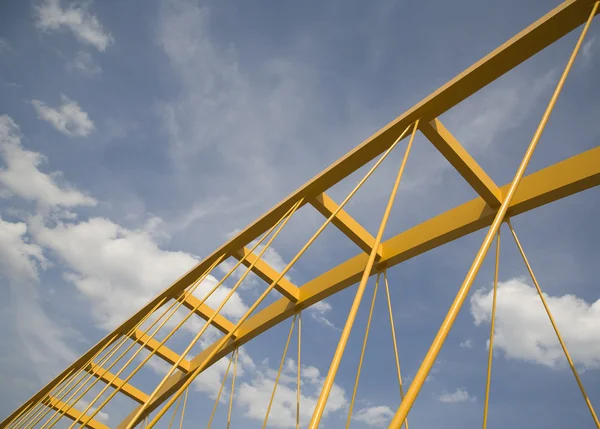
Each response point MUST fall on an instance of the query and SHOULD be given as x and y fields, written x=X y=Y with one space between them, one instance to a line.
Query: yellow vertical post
x=337 y=357
x=439 y=339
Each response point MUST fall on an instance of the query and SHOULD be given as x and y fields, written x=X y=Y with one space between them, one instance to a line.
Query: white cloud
x=223 y=105
x=498 y=109
x=254 y=396
x=523 y=330
x=21 y=176
x=68 y=118
x=378 y=416
x=33 y=336
x=587 y=52
x=4 y=46
x=317 y=312
x=101 y=416
x=83 y=63
x=51 y=16
x=466 y=344
x=459 y=395
x=19 y=259
x=119 y=270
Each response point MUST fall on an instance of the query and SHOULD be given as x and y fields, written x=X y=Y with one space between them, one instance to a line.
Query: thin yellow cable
x=341 y=347
x=35 y=417
x=183 y=409
x=226 y=338
x=362 y=353
x=175 y=412
x=60 y=412
x=492 y=325
x=176 y=303
x=41 y=409
x=392 y=325
x=279 y=225
x=220 y=391
x=287 y=344
x=173 y=307
x=298 y=389
x=237 y=352
x=560 y=340
x=440 y=338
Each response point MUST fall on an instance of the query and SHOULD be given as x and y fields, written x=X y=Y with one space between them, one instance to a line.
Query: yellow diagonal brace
x=460 y=159
x=268 y=274
x=345 y=223
x=553 y=183
x=204 y=311
x=126 y=388
x=72 y=413
x=162 y=351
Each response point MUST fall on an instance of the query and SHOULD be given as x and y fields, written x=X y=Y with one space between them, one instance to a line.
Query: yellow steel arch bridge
x=104 y=366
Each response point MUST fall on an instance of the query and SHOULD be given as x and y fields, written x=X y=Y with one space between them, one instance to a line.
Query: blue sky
x=136 y=137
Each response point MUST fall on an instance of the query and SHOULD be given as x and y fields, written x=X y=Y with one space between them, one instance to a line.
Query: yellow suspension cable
x=191 y=313
x=287 y=344
x=362 y=353
x=175 y=412
x=280 y=225
x=237 y=352
x=173 y=307
x=60 y=412
x=38 y=406
x=492 y=324
x=225 y=339
x=183 y=409
x=70 y=403
x=440 y=338
x=389 y=302
x=43 y=409
x=298 y=389
x=220 y=391
x=339 y=352
x=560 y=339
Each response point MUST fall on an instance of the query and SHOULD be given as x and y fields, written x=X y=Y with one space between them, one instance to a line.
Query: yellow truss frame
x=550 y=184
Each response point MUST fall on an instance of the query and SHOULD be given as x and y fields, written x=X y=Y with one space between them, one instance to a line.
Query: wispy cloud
x=459 y=395
x=21 y=176
x=68 y=118
x=83 y=63
x=376 y=416
x=52 y=16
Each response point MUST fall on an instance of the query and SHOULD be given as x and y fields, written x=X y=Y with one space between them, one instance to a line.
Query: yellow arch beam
x=545 y=186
